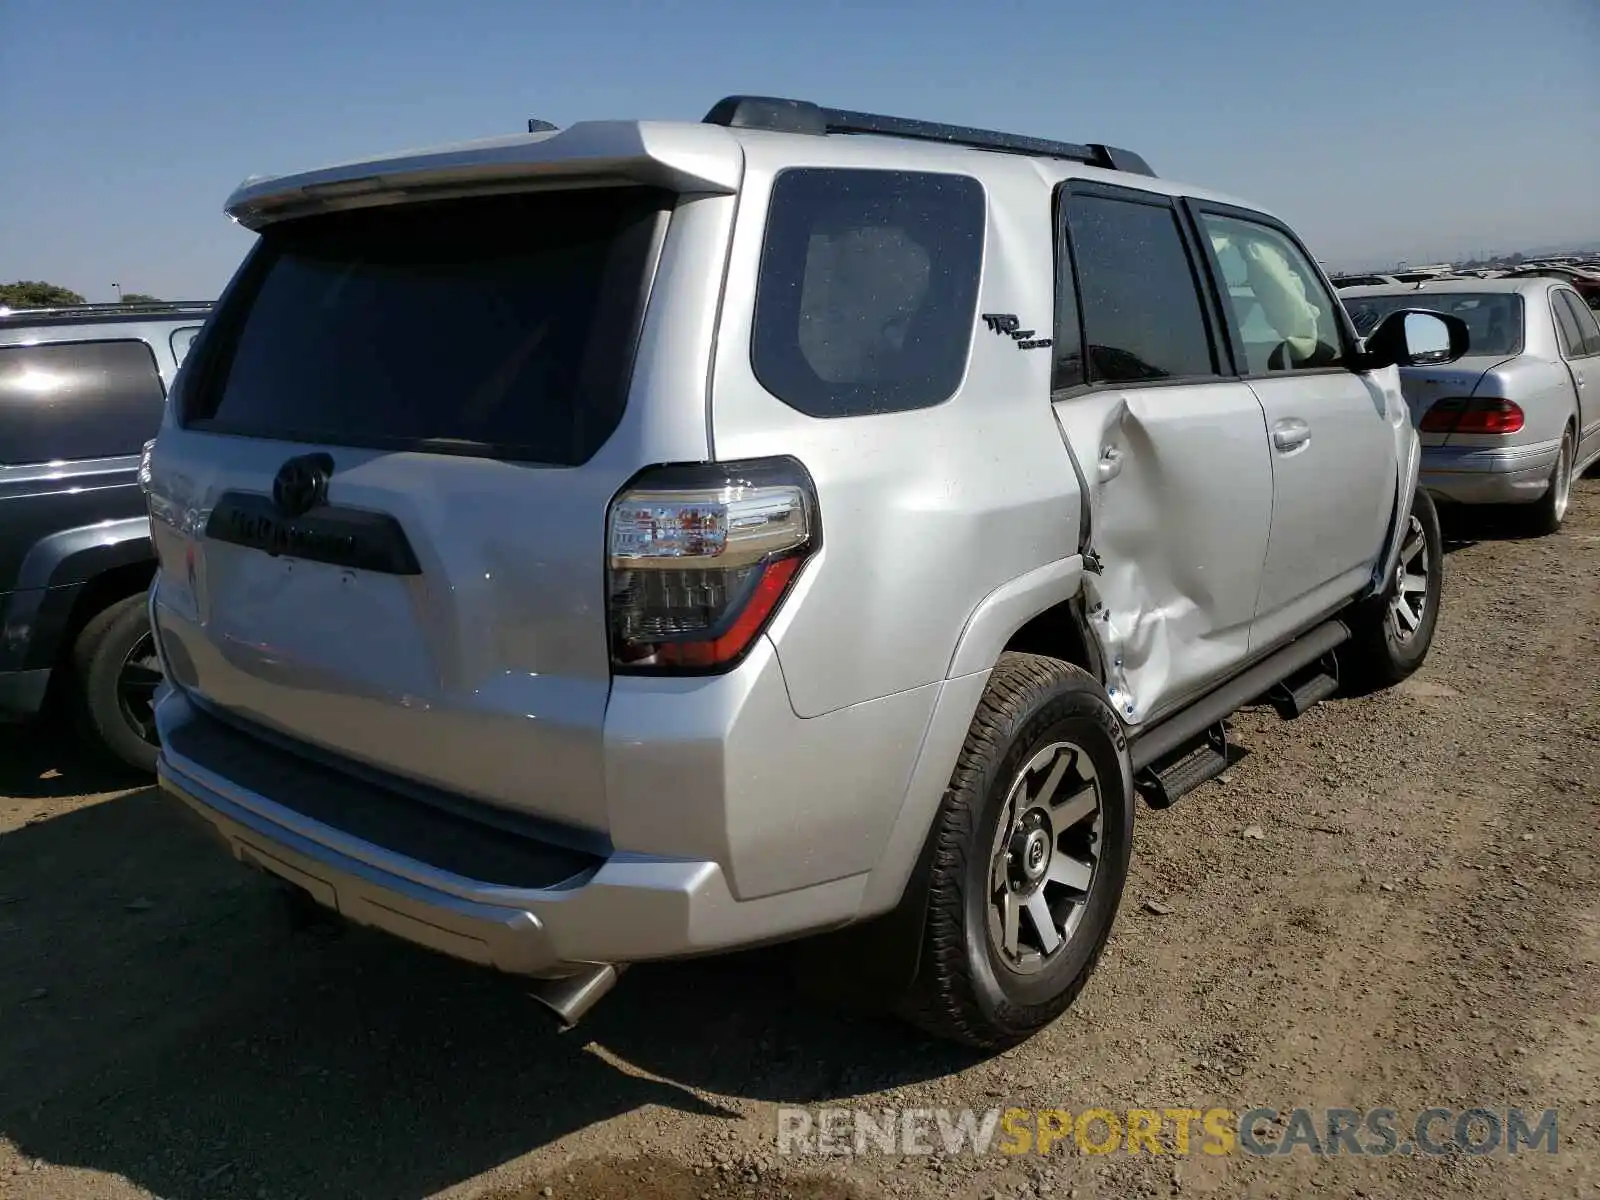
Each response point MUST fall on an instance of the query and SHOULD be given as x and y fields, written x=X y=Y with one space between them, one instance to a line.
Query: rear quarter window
x=77 y=400
x=868 y=289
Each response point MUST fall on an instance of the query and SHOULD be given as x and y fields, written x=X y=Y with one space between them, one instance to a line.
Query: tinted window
x=503 y=325
x=1583 y=323
x=1494 y=319
x=1286 y=318
x=1067 y=368
x=78 y=400
x=1142 y=318
x=868 y=291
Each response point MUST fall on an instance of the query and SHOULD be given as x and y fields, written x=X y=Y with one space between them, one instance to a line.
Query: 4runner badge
x=1008 y=324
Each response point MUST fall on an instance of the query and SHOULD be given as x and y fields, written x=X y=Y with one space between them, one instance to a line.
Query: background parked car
x=81 y=391
x=1517 y=418
x=1584 y=281
x=1348 y=281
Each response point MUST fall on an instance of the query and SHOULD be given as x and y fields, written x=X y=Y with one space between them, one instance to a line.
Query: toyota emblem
x=302 y=484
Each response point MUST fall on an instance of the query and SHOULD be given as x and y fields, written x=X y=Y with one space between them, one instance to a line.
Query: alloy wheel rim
x=1562 y=483
x=1409 y=604
x=137 y=680
x=1045 y=857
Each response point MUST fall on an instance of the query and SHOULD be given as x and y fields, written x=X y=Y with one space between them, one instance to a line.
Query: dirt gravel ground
x=1393 y=901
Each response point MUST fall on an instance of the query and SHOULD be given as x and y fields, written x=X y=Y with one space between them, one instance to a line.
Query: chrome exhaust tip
x=568 y=999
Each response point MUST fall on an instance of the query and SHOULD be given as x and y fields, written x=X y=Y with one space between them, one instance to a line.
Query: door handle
x=1110 y=462
x=1579 y=377
x=1290 y=434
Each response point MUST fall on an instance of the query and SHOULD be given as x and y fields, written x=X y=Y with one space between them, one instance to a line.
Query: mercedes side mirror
x=1409 y=337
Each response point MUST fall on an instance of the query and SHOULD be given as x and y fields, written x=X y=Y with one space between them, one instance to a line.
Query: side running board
x=1304 y=690
x=1168 y=779
x=1154 y=745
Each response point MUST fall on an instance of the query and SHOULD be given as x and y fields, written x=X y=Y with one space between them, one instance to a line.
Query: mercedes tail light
x=1481 y=414
x=700 y=557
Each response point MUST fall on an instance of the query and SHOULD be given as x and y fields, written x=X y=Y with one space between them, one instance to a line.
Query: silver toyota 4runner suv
x=649 y=539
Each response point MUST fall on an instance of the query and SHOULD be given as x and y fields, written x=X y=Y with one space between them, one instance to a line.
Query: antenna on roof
x=537 y=126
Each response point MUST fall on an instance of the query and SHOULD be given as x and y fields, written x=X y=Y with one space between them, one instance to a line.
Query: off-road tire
x=97 y=658
x=963 y=991
x=1376 y=656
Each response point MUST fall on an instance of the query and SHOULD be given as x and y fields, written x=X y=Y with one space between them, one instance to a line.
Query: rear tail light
x=699 y=559
x=1481 y=414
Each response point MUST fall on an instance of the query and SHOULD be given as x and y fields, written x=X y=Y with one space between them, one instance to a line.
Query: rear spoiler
x=683 y=158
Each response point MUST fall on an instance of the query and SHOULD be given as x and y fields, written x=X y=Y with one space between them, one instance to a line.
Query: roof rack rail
x=802 y=116
x=132 y=308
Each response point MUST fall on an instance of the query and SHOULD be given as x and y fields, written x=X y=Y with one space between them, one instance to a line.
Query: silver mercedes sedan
x=1516 y=418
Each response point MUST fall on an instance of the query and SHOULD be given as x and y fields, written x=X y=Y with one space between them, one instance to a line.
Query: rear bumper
x=1489 y=475
x=616 y=907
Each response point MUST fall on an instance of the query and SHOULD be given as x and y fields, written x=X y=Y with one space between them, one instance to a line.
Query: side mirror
x=1408 y=337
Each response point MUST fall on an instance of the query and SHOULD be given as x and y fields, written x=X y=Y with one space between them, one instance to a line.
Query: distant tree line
x=35 y=293
x=32 y=293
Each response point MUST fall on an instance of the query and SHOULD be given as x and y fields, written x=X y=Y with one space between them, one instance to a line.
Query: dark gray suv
x=81 y=392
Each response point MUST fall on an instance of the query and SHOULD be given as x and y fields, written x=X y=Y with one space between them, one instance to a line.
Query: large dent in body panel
x=1149 y=598
x=1142 y=639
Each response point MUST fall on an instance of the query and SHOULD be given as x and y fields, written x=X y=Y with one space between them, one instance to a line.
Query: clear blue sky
x=1380 y=128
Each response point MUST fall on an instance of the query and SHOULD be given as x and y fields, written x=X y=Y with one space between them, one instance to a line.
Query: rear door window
x=1583 y=324
x=868 y=289
x=1140 y=307
x=1567 y=325
x=77 y=400
x=502 y=326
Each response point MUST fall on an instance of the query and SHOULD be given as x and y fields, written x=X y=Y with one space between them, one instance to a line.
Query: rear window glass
x=502 y=325
x=1494 y=319
x=868 y=292
x=77 y=400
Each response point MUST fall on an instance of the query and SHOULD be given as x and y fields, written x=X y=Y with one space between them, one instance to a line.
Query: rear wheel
x=1391 y=633
x=1030 y=855
x=1546 y=516
x=116 y=672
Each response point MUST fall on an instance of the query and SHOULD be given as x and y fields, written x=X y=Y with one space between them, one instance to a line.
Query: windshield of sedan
x=1494 y=319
